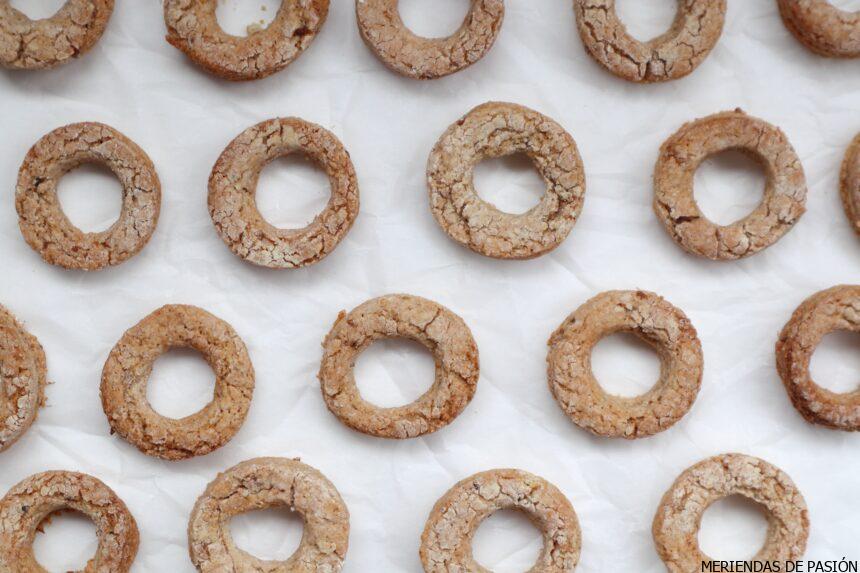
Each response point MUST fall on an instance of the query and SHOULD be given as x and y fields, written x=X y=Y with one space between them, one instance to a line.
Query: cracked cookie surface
x=48 y=42
x=446 y=544
x=783 y=203
x=192 y=27
x=650 y=317
x=428 y=58
x=830 y=310
x=676 y=523
x=670 y=56
x=127 y=370
x=498 y=129
x=822 y=27
x=233 y=188
x=849 y=184
x=400 y=316
x=28 y=504
x=259 y=484
x=40 y=216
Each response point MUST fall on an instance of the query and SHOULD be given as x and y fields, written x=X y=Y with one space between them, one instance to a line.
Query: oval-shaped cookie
x=822 y=27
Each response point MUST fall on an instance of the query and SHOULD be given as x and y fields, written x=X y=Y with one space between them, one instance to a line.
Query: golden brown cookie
x=849 y=188
x=127 y=370
x=259 y=484
x=446 y=544
x=233 y=188
x=497 y=129
x=822 y=27
x=22 y=379
x=837 y=308
x=48 y=42
x=428 y=58
x=784 y=195
x=676 y=524
x=27 y=505
x=40 y=216
x=400 y=316
x=670 y=56
x=193 y=28
x=650 y=317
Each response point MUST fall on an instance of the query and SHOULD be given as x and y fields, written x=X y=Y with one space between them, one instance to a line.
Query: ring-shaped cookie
x=681 y=155
x=837 y=308
x=822 y=27
x=670 y=56
x=22 y=379
x=677 y=521
x=849 y=188
x=26 y=506
x=233 y=188
x=263 y=483
x=446 y=544
x=127 y=370
x=400 y=316
x=48 y=42
x=40 y=216
x=651 y=318
x=192 y=27
x=494 y=130
x=428 y=58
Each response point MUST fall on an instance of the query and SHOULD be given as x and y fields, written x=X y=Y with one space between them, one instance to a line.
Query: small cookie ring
x=654 y=320
x=259 y=484
x=428 y=58
x=837 y=308
x=400 y=316
x=849 y=189
x=822 y=27
x=192 y=27
x=670 y=56
x=784 y=194
x=233 y=186
x=446 y=544
x=125 y=374
x=676 y=524
x=28 y=504
x=40 y=216
x=28 y=44
x=494 y=130
x=22 y=379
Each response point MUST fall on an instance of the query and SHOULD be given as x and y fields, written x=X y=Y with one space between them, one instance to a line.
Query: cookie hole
x=646 y=20
x=625 y=365
x=729 y=186
x=507 y=542
x=69 y=541
x=38 y=9
x=181 y=383
x=836 y=362
x=733 y=528
x=394 y=372
x=847 y=5
x=433 y=18
x=243 y=18
x=91 y=197
x=271 y=534
x=292 y=191
x=510 y=183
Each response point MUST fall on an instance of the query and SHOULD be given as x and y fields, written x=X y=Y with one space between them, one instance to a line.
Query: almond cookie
x=40 y=216
x=259 y=484
x=497 y=129
x=193 y=28
x=127 y=370
x=676 y=524
x=22 y=379
x=849 y=188
x=670 y=56
x=233 y=187
x=784 y=193
x=446 y=544
x=27 y=505
x=428 y=58
x=837 y=308
x=400 y=316
x=48 y=42
x=822 y=27
x=650 y=317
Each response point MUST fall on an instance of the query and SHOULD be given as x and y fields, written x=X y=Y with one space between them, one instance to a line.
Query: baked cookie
x=849 y=187
x=822 y=27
